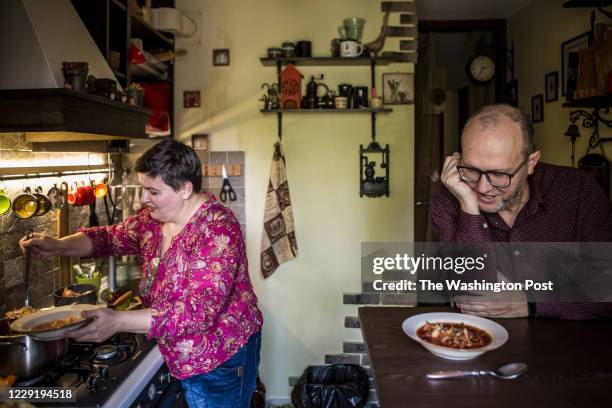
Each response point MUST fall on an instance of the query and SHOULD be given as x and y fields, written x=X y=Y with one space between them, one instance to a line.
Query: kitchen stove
x=125 y=371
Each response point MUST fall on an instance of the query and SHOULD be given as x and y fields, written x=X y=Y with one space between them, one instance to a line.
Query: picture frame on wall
x=574 y=45
x=191 y=99
x=199 y=141
x=221 y=57
x=398 y=88
x=537 y=108
x=551 y=83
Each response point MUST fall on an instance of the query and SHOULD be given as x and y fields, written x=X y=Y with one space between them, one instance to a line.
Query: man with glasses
x=498 y=191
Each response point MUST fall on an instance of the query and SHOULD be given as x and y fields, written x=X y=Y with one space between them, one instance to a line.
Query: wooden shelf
x=326 y=61
x=119 y=74
x=314 y=111
x=118 y=4
x=590 y=102
x=587 y=3
x=145 y=31
x=75 y=115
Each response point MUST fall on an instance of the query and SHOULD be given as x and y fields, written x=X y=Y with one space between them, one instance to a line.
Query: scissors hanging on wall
x=226 y=190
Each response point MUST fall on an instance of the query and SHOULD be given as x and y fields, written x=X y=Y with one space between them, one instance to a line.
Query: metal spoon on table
x=507 y=372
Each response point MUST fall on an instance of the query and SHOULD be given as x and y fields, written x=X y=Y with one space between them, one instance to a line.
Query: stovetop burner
x=94 y=370
x=105 y=352
x=30 y=382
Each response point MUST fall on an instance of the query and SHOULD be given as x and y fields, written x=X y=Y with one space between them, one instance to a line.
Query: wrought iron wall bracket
x=591 y=120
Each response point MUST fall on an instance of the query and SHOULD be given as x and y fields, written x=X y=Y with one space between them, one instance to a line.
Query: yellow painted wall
x=302 y=301
x=538 y=30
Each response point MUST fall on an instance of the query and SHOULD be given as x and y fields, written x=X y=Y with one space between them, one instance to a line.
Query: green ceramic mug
x=5 y=203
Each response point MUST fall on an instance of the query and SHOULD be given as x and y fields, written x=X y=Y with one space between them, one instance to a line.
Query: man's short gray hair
x=491 y=115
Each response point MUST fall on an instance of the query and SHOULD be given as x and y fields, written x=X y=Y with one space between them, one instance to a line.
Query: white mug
x=350 y=49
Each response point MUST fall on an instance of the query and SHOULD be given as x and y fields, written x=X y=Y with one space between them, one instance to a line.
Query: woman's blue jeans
x=231 y=384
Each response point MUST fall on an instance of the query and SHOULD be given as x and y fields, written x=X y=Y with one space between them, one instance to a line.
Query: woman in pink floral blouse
x=195 y=282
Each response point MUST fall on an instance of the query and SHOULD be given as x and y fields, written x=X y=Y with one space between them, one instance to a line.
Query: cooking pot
x=89 y=295
x=5 y=202
x=26 y=205
x=44 y=204
x=57 y=196
x=26 y=357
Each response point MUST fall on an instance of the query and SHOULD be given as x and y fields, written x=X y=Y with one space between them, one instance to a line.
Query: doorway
x=446 y=96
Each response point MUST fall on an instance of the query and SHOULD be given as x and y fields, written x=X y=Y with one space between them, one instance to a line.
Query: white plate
x=25 y=324
x=498 y=333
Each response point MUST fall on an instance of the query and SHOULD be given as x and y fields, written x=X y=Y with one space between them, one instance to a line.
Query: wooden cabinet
x=112 y=26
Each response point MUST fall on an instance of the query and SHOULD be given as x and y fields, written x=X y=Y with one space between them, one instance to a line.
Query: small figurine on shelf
x=272 y=97
x=75 y=75
x=104 y=87
x=266 y=101
x=291 y=87
x=135 y=94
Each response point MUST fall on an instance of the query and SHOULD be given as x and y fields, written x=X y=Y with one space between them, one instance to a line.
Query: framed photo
x=398 y=88
x=537 y=108
x=191 y=99
x=221 y=57
x=571 y=46
x=551 y=82
x=199 y=141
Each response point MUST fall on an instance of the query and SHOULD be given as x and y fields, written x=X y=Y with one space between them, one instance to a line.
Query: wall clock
x=481 y=69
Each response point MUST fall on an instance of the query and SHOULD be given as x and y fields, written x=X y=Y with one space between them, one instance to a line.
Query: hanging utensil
x=28 y=264
x=226 y=189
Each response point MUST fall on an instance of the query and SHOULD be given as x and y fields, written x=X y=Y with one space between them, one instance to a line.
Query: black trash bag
x=332 y=386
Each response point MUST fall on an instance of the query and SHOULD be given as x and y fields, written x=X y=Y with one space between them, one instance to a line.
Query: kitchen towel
x=278 y=244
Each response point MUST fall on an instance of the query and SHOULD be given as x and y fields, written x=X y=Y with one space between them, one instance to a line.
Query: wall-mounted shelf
x=590 y=102
x=145 y=31
x=316 y=111
x=592 y=115
x=76 y=115
x=326 y=61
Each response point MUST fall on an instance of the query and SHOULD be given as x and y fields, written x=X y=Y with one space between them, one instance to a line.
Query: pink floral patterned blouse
x=200 y=294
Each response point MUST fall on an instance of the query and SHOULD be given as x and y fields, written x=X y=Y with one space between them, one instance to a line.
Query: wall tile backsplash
x=213 y=184
x=16 y=152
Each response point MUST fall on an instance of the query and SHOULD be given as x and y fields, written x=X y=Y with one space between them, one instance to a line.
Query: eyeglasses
x=495 y=178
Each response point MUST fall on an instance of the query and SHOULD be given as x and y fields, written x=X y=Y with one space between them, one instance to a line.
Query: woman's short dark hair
x=175 y=162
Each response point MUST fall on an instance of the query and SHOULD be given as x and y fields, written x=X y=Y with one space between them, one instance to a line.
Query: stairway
x=407 y=31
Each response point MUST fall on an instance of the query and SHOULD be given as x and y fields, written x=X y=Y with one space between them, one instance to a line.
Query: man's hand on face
x=451 y=179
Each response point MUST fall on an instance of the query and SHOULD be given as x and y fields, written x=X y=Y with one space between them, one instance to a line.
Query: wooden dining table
x=569 y=364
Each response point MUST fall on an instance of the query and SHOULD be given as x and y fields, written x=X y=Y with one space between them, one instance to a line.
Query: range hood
x=38 y=35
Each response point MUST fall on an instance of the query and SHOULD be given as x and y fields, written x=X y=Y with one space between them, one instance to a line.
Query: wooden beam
x=11 y=171
x=45 y=137
x=408 y=45
x=410 y=32
x=408 y=19
x=398 y=6
x=80 y=146
x=63 y=229
x=65 y=110
x=411 y=57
